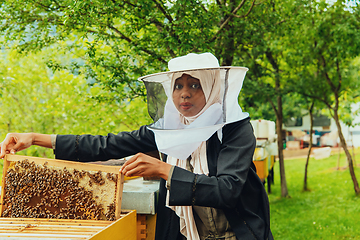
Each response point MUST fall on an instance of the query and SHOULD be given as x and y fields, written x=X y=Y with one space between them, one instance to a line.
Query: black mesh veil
x=156 y=100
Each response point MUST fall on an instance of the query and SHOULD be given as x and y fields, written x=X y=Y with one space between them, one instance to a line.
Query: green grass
x=330 y=210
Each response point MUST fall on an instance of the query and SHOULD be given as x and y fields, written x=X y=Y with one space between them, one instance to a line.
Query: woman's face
x=188 y=95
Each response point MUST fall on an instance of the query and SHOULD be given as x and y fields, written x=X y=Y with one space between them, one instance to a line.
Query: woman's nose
x=185 y=93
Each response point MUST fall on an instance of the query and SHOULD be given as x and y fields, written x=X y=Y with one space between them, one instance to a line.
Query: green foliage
x=35 y=99
x=116 y=42
x=326 y=41
x=269 y=74
x=328 y=211
x=120 y=41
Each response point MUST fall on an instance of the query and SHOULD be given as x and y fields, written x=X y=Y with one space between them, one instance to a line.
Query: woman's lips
x=185 y=105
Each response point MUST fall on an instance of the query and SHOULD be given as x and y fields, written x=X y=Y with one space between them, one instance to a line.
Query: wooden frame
x=36 y=228
x=69 y=165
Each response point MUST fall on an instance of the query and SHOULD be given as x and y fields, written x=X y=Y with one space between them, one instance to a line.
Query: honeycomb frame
x=77 y=190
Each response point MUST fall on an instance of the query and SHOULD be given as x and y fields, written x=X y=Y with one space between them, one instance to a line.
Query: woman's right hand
x=145 y=166
x=15 y=142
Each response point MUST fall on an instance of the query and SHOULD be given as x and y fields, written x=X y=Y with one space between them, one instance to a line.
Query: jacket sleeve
x=223 y=189
x=86 y=148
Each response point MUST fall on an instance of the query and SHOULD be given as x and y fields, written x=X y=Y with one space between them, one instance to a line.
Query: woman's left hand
x=145 y=166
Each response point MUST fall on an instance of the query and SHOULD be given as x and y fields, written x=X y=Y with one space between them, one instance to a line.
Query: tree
x=326 y=43
x=312 y=106
x=265 y=55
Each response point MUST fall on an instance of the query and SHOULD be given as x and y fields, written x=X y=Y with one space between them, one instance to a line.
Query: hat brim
x=157 y=77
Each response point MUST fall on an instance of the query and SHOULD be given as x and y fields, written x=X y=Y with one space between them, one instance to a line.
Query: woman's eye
x=178 y=86
x=195 y=86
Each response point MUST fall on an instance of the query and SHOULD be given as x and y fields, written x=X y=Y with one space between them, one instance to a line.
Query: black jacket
x=232 y=184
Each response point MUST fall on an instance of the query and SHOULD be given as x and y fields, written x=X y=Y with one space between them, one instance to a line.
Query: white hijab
x=211 y=86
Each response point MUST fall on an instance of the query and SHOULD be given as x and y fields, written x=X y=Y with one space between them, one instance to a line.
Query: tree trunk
x=279 y=121
x=348 y=155
x=226 y=42
x=227 y=48
x=284 y=190
x=305 y=188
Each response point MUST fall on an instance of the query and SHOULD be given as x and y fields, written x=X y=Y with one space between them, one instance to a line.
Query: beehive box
x=260 y=160
x=72 y=197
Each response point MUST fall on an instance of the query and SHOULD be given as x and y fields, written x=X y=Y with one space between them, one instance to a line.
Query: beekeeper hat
x=180 y=141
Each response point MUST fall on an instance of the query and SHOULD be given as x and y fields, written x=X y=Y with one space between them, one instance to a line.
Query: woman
x=209 y=187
